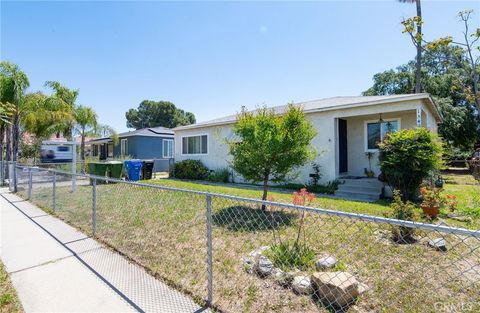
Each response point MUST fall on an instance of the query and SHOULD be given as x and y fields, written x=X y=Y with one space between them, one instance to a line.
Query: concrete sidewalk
x=55 y=268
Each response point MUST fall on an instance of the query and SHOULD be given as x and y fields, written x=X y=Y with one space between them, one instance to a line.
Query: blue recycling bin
x=134 y=168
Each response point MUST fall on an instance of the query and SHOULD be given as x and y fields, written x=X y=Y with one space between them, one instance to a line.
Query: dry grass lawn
x=165 y=231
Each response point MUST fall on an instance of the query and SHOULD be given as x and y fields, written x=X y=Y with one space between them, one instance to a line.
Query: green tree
x=85 y=124
x=269 y=146
x=102 y=131
x=43 y=115
x=444 y=78
x=14 y=84
x=154 y=114
x=417 y=42
x=407 y=157
x=69 y=98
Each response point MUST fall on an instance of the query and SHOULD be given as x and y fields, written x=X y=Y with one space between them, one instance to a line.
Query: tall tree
x=43 y=115
x=14 y=84
x=86 y=122
x=154 y=114
x=269 y=146
x=417 y=42
x=69 y=97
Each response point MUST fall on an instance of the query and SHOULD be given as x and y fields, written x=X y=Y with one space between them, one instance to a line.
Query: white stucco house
x=347 y=127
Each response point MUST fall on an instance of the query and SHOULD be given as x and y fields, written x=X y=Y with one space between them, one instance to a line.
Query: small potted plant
x=432 y=200
x=369 y=171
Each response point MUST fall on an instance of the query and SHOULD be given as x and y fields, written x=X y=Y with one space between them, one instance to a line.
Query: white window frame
x=382 y=135
x=123 y=147
x=170 y=141
x=194 y=154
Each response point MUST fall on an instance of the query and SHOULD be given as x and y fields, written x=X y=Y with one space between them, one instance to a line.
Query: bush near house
x=407 y=157
x=190 y=169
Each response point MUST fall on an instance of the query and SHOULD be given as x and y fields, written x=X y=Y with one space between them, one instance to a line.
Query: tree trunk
x=82 y=152
x=15 y=137
x=418 y=72
x=8 y=143
x=265 y=189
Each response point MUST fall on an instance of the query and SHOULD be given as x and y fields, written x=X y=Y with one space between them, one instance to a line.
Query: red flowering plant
x=451 y=202
x=431 y=196
x=293 y=254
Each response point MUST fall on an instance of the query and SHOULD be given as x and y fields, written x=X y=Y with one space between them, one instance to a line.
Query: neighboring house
x=156 y=143
x=347 y=127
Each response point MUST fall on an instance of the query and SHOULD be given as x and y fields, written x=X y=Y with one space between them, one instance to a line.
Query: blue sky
x=211 y=58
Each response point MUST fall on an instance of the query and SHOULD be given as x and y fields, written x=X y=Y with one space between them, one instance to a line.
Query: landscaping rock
x=337 y=289
x=264 y=266
x=326 y=262
x=258 y=252
x=438 y=244
x=280 y=276
x=301 y=285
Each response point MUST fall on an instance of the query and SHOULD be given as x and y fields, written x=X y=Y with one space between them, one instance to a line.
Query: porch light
x=381 y=121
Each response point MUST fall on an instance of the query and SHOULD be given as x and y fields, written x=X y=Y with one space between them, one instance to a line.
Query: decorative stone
x=438 y=244
x=279 y=276
x=301 y=285
x=258 y=252
x=337 y=289
x=326 y=262
x=264 y=266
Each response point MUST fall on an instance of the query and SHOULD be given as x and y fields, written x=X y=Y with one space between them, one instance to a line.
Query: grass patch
x=8 y=296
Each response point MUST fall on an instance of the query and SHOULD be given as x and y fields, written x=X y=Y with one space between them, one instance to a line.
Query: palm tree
x=418 y=45
x=44 y=115
x=14 y=84
x=69 y=97
x=86 y=122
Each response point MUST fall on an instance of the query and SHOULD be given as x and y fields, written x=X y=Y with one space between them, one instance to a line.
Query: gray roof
x=144 y=132
x=343 y=102
x=151 y=132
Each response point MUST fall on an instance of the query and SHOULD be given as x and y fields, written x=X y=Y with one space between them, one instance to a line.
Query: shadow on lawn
x=244 y=218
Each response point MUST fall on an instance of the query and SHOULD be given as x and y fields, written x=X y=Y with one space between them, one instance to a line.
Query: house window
x=94 y=150
x=195 y=144
x=168 y=148
x=375 y=132
x=124 y=147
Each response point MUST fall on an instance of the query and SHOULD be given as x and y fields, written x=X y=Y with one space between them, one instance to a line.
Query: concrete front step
x=367 y=182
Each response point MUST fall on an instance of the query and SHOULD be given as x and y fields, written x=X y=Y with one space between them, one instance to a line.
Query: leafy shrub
x=405 y=211
x=220 y=175
x=291 y=255
x=190 y=169
x=328 y=188
x=407 y=157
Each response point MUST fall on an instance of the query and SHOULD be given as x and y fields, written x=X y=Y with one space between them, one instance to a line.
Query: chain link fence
x=246 y=255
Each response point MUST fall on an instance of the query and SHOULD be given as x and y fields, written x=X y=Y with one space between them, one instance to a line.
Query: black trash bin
x=147 y=169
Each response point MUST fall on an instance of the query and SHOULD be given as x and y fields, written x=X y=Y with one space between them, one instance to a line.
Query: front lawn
x=464 y=187
x=8 y=296
x=165 y=231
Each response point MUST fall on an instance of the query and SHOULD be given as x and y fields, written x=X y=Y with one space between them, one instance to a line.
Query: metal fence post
x=54 y=195
x=94 y=206
x=209 y=251
x=29 y=183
